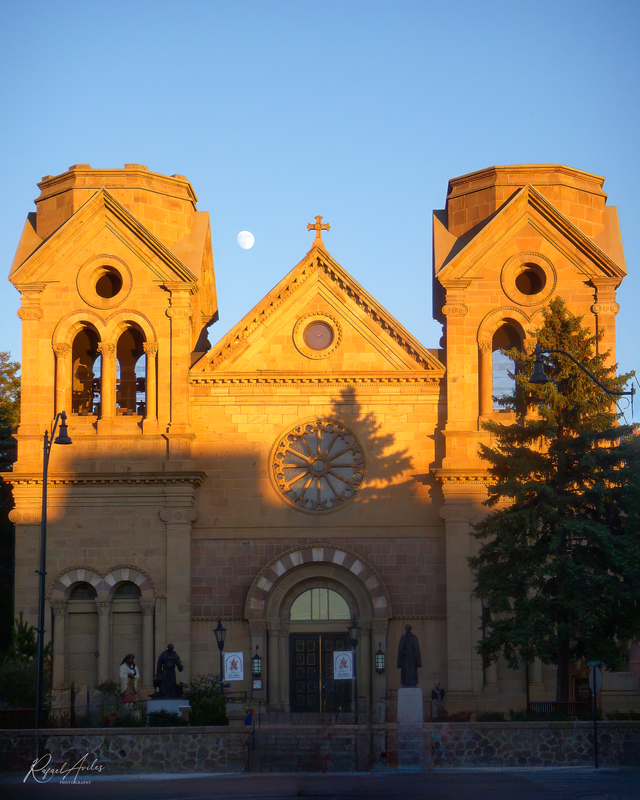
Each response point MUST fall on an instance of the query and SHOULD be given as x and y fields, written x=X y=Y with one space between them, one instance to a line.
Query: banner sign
x=343 y=665
x=234 y=666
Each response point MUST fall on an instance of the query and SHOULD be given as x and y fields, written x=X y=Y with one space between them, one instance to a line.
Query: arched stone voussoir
x=320 y=553
x=123 y=574
x=62 y=586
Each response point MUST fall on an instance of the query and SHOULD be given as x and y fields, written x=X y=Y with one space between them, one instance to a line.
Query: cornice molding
x=194 y=478
x=334 y=379
x=468 y=476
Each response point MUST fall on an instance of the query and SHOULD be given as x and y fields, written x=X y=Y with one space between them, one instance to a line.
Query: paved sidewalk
x=570 y=783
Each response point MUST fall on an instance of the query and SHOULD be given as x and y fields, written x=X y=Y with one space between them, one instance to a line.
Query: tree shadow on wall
x=388 y=465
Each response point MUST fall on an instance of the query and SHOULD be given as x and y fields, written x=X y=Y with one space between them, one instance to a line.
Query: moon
x=245 y=240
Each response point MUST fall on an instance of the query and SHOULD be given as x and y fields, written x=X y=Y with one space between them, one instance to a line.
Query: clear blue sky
x=359 y=111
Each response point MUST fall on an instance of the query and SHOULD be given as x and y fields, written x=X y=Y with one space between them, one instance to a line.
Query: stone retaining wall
x=130 y=750
x=336 y=748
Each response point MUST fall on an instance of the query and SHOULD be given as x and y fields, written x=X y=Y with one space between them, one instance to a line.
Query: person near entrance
x=409 y=659
x=437 y=701
x=167 y=664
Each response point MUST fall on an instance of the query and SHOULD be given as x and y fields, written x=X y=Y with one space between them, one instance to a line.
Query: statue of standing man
x=166 y=670
x=409 y=658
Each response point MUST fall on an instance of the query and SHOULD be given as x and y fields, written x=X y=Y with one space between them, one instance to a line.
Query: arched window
x=319 y=604
x=130 y=374
x=83 y=591
x=505 y=338
x=127 y=591
x=86 y=368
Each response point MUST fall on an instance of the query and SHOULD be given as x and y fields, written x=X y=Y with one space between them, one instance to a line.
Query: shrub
x=490 y=716
x=635 y=715
x=207 y=701
x=157 y=719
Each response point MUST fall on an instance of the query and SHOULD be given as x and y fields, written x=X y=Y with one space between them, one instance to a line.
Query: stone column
x=258 y=631
x=180 y=313
x=108 y=383
x=150 y=422
x=273 y=668
x=605 y=309
x=379 y=630
x=59 y=643
x=63 y=378
x=364 y=665
x=32 y=371
x=283 y=658
x=486 y=379
x=463 y=615
x=147 y=671
x=104 y=649
x=178 y=549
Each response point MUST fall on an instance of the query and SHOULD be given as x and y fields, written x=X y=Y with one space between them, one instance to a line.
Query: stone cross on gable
x=318 y=227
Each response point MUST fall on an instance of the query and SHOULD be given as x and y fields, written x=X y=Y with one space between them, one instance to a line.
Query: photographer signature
x=43 y=773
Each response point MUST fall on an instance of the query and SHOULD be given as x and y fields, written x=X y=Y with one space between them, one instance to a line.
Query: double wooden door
x=312 y=687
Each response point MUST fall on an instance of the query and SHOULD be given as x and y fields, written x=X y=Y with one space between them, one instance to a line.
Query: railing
x=541 y=709
x=93 y=716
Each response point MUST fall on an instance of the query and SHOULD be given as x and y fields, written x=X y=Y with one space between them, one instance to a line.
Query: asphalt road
x=549 y=784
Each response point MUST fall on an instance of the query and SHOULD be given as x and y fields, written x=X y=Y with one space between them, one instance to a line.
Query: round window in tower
x=528 y=279
x=109 y=283
x=531 y=280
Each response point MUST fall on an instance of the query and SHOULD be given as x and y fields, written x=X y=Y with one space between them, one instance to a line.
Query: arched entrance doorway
x=299 y=608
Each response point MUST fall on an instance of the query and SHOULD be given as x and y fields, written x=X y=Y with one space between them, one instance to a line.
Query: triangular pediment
x=462 y=259
x=103 y=212
x=367 y=339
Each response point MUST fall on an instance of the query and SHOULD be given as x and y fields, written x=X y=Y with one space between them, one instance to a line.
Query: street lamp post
x=354 y=633
x=62 y=438
x=539 y=377
x=220 y=633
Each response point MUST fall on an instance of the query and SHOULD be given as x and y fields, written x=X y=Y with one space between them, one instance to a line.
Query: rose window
x=318 y=466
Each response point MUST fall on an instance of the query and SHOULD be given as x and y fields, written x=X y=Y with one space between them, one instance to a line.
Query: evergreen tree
x=9 y=418
x=559 y=569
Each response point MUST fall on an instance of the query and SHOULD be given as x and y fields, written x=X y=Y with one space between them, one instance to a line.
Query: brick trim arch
x=73 y=322
x=495 y=318
x=104 y=586
x=307 y=555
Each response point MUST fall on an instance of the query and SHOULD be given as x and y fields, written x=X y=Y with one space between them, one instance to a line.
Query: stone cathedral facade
x=318 y=464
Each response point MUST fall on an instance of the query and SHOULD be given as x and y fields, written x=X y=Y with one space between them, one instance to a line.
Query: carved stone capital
x=107 y=349
x=30 y=312
x=379 y=627
x=104 y=608
x=457 y=310
x=485 y=348
x=529 y=345
x=150 y=348
x=605 y=308
x=59 y=607
x=178 y=515
x=179 y=313
x=148 y=607
x=257 y=627
x=25 y=517
x=61 y=350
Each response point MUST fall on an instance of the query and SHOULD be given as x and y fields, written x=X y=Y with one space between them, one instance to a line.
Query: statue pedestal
x=410 y=733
